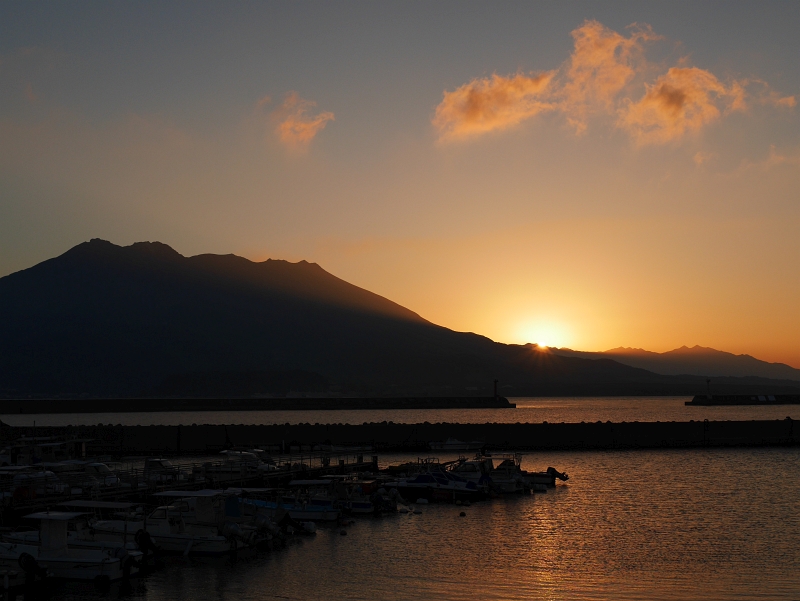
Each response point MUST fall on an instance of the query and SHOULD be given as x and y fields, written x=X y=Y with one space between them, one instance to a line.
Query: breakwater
x=38 y=406
x=198 y=439
x=745 y=399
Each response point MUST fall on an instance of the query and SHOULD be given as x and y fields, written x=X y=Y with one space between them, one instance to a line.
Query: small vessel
x=241 y=462
x=161 y=471
x=502 y=473
x=503 y=478
x=55 y=551
x=452 y=444
x=437 y=484
x=301 y=505
x=169 y=533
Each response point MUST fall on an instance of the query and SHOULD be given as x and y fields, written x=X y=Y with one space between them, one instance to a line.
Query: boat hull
x=72 y=564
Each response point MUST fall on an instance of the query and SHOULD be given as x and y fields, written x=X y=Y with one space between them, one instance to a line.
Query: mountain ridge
x=107 y=320
x=697 y=360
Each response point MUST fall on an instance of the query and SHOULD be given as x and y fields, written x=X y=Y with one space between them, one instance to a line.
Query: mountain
x=697 y=360
x=143 y=320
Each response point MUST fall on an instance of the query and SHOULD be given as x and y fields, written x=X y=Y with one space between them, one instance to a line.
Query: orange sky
x=579 y=176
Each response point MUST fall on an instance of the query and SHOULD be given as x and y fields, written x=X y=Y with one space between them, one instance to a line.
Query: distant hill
x=143 y=320
x=697 y=360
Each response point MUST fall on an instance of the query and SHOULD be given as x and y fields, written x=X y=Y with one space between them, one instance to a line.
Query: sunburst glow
x=545 y=333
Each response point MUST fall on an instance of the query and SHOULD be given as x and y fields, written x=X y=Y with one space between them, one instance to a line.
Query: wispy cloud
x=701 y=158
x=603 y=62
x=296 y=126
x=602 y=77
x=491 y=103
x=679 y=102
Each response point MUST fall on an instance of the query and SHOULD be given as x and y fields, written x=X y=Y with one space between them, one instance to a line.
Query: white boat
x=56 y=555
x=452 y=444
x=241 y=462
x=171 y=534
x=502 y=473
x=437 y=484
x=500 y=478
x=223 y=509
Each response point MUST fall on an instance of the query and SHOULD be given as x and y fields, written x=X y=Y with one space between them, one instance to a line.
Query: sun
x=545 y=333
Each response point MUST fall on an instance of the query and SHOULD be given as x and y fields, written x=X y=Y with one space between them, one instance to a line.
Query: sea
x=528 y=410
x=688 y=524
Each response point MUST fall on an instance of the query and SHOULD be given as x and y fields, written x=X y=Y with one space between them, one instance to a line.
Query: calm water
x=649 y=525
x=530 y=410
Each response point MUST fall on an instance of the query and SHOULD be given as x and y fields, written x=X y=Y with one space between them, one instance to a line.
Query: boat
x=299 y=505
x=348 y=494
x=165 y=532
x=161 y=471
x=546 y=479
x=499 y=479
x=437 y=484
x=223 y=509
x=502 y=473
x=452 y=444
x=56 y=553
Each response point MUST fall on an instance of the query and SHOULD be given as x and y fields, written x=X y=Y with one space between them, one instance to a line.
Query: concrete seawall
x=34 y=406
x=197 y=439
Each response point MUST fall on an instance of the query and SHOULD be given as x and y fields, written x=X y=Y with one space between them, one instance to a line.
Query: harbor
x=69 y=514
x=136 y=502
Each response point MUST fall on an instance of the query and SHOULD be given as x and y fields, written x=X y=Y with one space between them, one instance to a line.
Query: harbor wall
x=198 y=439
x=38 y=406
x=745 y=399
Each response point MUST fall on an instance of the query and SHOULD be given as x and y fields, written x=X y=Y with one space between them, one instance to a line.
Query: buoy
x=463 y=514
x=458 y=502
x=343 y=532
x=417 y=511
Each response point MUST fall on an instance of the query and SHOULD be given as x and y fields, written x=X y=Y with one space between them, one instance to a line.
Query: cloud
x=603 y=62
x=776 y=158
x=295 y=126
x=491 y=103
x=681 y=101
x=701 y=158
x=601 y=78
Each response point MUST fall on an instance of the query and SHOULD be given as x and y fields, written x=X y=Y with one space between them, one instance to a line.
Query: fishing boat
x=56 y=554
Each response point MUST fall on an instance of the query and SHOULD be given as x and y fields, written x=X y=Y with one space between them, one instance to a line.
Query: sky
x=583 y=175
